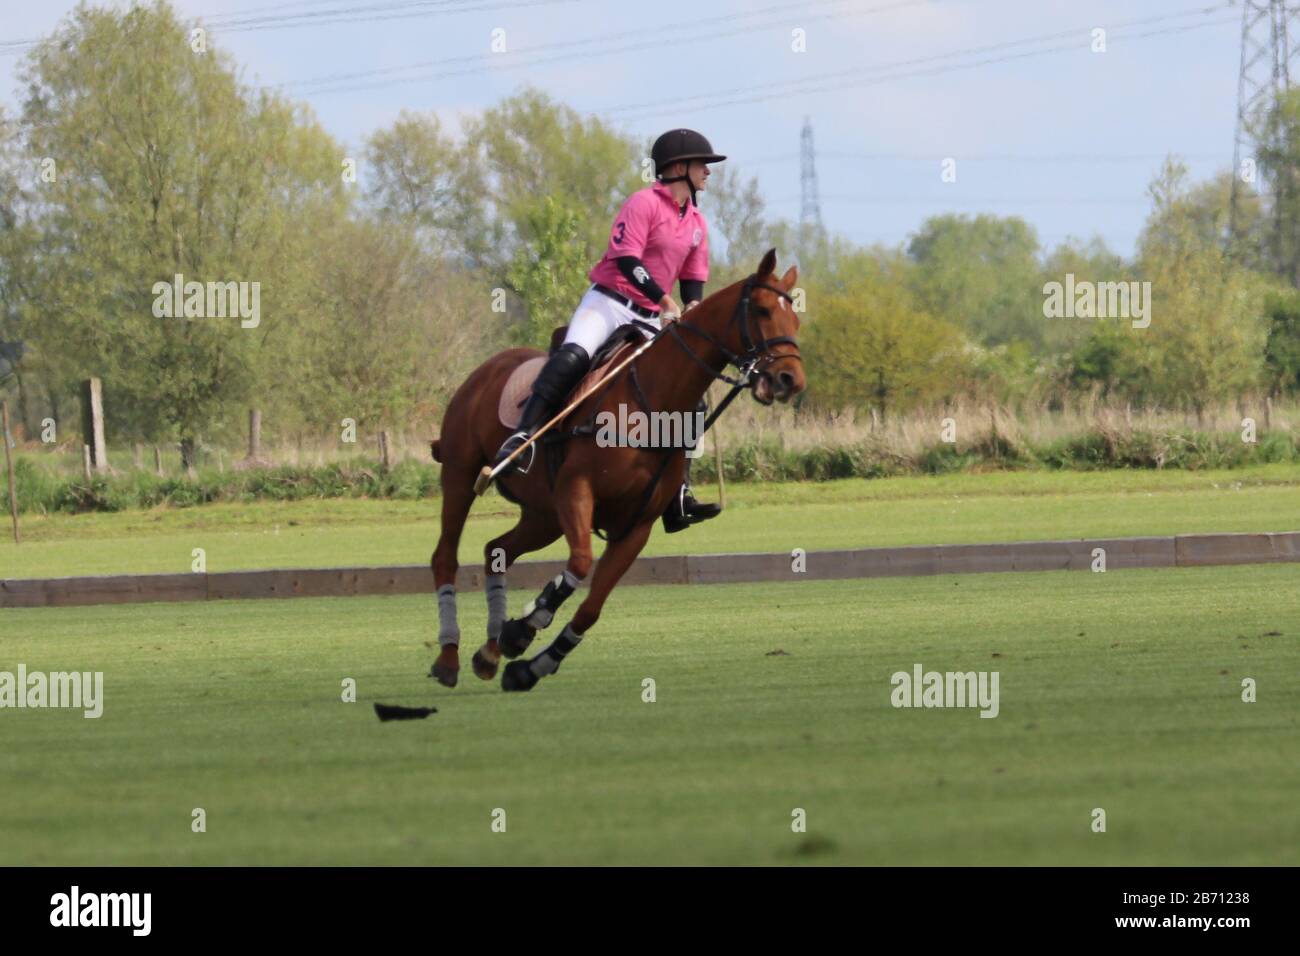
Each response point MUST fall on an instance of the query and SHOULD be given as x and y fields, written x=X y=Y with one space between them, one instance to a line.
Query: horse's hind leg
x=534 y=531
x=618 y=557
x=457 y=498
x=573 y=517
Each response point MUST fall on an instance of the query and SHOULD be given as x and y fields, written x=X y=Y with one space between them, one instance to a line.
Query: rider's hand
x=692 y=304
x=668 y=308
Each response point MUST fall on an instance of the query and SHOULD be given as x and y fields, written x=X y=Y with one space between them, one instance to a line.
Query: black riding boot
x=685 y=510
x=558 y=377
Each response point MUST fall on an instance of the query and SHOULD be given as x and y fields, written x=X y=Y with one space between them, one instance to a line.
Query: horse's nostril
x=787 y=380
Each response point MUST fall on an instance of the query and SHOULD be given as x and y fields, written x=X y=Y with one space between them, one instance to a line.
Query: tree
x=1206 y=339
x=190 y=174
x=420 y=175
x=734 y=208
x=982 y=275
x=1087 y=262
x=549 y=272
x=868 y=343
x=1109 y=358
x=392 y=330
x=1282 y=349
x=1279 y=161
x=15 y=248
x=529 y=147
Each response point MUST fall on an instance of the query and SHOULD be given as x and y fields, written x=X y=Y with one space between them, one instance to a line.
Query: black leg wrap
x=560 y=649
x=515 y=637
x=541 y=610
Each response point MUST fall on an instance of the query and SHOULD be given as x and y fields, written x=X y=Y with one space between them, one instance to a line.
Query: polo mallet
x=488 y=473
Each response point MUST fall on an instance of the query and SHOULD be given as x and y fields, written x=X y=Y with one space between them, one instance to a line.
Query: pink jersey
x=670 y=246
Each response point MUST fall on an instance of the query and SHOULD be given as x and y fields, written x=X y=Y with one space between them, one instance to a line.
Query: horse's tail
x=435 y=448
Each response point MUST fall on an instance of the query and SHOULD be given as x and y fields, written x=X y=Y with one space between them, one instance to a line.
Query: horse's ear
x=791 y=277
x=768 y=265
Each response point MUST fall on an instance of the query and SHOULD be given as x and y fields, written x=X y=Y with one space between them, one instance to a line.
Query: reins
x=757 y=350
x=754 y=351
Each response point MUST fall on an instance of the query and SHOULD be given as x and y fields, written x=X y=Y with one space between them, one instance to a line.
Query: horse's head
x=765 y=326
x=752 y=326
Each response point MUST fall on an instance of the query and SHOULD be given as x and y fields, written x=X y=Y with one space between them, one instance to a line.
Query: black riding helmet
x=679 y=145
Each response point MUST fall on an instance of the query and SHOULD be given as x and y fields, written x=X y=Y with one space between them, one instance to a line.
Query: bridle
x=758 y=354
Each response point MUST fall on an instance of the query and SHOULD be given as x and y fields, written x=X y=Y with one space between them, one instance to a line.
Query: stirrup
x=523 y=463
x=697 y=511
x=679 y=517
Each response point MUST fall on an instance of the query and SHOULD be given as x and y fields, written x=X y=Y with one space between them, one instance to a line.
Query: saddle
x=511 y=405
x=520 y=383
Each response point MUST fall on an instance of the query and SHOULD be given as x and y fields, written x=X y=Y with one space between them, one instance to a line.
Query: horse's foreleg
x=573 y=514
x=618 y=557
x=535 y=530
x=457 y=498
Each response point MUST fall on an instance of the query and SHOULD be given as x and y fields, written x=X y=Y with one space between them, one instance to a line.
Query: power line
x=986 y=157
x=235 y=22
x=538 y=56
x=376 y=13
x=863 y=76
x=584 y=42
x=973 y=201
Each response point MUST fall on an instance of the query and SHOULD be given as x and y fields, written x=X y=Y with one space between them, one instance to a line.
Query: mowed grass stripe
x=1118 y=690
x=955 y=509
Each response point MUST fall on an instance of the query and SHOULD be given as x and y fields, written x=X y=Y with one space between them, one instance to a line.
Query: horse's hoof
x=516 y=635
x=518 y=676
x=484 y=669
x=446 y=669
x=446 y=676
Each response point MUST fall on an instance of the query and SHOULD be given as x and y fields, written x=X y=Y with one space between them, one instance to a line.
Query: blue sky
x=1049 y=130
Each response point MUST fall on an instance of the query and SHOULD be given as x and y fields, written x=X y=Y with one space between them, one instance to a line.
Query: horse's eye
x=763 y=311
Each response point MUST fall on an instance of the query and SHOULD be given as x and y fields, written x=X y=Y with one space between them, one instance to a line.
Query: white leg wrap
x=448 y=629
x=495 y=586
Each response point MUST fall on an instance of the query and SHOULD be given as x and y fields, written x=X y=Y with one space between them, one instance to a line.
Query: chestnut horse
x=619 y=490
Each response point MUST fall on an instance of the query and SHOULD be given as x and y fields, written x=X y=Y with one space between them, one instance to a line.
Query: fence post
x=383 y=450
x=254 y=434
x=718 y=467
x=157 y=461
x=92 y=422
x=9 y=465
x=717 y=459
x=85 y=463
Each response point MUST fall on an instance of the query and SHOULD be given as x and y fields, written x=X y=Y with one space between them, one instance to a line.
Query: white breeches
x=596 y=318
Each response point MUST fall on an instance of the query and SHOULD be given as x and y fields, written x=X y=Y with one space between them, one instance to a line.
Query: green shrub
x=41 y=490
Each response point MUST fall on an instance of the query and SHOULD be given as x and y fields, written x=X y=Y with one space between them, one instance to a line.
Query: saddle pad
x=511 y=406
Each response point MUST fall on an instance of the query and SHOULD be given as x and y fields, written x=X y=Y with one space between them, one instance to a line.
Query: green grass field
x=951 y=509
x=1118 y=690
